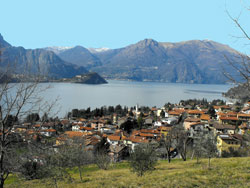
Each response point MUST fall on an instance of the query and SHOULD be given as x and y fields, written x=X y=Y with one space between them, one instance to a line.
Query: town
x=125 y=128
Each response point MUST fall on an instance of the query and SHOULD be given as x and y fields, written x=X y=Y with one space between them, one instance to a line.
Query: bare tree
x=240 y=64
x=198 y=146
x=209 y=147
x=167 y=142
x=17 y=100
x=101 y=150
x=181 y=140
x=78 y=155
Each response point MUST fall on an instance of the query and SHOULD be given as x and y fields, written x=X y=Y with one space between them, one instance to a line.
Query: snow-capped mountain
x=98 y=50
x=58 y=49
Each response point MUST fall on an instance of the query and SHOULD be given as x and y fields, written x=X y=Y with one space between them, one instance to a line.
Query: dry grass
x=230 y=172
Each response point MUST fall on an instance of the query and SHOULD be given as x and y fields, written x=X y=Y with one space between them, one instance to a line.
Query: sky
x=118 y=23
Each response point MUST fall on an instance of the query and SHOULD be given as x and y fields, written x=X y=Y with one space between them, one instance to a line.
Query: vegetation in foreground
x=224 y=172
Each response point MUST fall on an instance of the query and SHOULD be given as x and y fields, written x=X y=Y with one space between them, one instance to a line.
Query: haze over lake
x=128 y=94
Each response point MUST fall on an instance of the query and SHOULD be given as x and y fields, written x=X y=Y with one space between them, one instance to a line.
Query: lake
x=128 y=93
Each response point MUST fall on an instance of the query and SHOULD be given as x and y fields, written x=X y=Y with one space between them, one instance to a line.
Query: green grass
x=227 y=172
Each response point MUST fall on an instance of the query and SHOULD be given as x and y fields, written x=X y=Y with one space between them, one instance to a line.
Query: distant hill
x=195 y=61
x=90 y=78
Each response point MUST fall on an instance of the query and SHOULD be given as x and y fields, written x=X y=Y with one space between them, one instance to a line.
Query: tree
x=103 y=161
x=32 y=117
x=17 y=100
x=128 y=125
x=140 y=121
x=198 y=146
x=241 y=67
x=167 y=141
x=76 y=155
x=209 y=147
x=162 y=114
x=101 y=150
x=143 y=159
x=211 y=112
x=181 y=140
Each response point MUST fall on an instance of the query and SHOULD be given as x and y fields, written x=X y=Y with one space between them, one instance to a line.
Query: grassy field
x=227 y=172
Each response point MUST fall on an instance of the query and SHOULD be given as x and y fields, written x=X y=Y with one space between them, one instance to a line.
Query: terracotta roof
x=146 y=135
x=221 y=114
x=72 y=134
x=174 y=113
x=231 y=113
x=243 y=115
x=205 y=117
x=149 y=131
x=36 y=125
x=48 y=130
x=82 y=119
x=229 y=118
x=189 y=119
x=222 y=106
x=86 y=128
x=197 y=123
x=179 y=110
x=195 y=112
x=114 y=138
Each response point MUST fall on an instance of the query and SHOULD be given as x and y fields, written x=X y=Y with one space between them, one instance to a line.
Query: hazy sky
x=117 y=23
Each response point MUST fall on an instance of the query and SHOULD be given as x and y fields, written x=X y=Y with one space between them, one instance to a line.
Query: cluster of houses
x=227 y=124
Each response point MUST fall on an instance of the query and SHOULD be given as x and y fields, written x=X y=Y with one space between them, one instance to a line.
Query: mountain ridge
x=20 y=61
x=194 y=61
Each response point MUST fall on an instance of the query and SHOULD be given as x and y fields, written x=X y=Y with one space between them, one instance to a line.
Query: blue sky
x=117 y=23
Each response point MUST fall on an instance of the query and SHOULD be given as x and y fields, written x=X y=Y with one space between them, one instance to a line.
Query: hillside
x=195 y=61
x=240 y=92
x=225 y=172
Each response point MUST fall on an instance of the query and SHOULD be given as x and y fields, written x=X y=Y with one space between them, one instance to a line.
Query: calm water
x=128 y=94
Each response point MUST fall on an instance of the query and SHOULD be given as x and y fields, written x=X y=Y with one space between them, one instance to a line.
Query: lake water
x=129 y=94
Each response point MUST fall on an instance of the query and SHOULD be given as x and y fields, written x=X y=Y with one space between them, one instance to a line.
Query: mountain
x=98 y=50
x=3 y=43
x=80 y=56
x=196 y=61
x=20 y=60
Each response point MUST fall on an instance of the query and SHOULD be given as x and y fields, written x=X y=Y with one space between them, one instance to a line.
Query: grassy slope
x=230 y=172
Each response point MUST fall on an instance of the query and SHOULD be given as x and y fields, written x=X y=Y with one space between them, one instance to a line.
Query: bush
x=240 y=152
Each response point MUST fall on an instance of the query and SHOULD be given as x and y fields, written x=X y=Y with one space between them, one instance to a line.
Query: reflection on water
x=129 y=94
